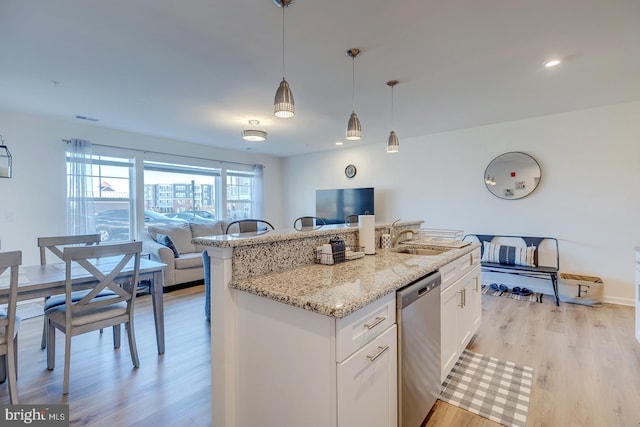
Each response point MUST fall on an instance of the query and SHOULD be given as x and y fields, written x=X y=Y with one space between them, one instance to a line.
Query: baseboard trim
x=619 y=301
x=182 y=286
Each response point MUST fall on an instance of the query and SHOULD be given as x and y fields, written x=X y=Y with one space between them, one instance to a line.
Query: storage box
x=579 y=289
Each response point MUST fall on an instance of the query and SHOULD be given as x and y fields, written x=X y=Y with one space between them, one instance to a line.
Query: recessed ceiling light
x=339 y=143
x=552 y=63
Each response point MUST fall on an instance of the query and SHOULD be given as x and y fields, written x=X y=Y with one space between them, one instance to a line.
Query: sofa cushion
x=179 y=233
x=189 y=260
x=206 y=229
x=165 y=240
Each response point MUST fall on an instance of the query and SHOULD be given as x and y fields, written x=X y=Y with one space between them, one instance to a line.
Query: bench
x=544 y=263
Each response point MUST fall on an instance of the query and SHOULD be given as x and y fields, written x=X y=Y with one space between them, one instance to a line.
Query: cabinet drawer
x=364 y=325
x=459 y=267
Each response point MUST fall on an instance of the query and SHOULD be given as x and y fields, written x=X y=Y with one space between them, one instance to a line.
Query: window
x=182 y=191
x=106 y=196
x=102 y=196
x=197 y=194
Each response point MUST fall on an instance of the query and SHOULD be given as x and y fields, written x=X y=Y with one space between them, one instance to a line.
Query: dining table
x=46 y=280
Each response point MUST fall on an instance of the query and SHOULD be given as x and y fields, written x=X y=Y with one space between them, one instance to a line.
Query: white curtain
x=79 y=188
x=258 y=192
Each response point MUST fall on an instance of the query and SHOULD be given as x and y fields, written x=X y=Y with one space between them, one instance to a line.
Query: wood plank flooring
x=586 y=366
x=106 y=390
x=586 y=362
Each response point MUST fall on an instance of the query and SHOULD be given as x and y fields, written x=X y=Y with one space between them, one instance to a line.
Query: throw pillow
x=510 y=255
x=165 y=240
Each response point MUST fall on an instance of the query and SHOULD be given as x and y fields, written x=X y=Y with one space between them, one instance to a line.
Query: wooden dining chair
x=306 y=223
x=248 y=226
x=9 y=324
x=104 y=265
x=55 y=245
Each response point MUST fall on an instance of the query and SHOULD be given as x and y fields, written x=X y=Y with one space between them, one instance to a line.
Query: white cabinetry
x=461 y=307
x=638 y=293
x=367 y=384
x=296 y=367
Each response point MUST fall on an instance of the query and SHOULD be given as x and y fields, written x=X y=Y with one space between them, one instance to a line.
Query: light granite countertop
x=340 y=289
x=270 y=236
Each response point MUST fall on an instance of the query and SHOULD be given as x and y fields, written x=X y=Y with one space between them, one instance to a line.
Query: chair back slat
x=56 y=244
x=104 y=265
x=306 y=223
x=11 y=261
x=249 y=225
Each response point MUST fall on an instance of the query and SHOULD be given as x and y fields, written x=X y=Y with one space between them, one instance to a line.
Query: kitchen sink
x=421 y=251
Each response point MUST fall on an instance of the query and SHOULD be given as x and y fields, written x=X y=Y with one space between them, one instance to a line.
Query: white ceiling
x=198 y=70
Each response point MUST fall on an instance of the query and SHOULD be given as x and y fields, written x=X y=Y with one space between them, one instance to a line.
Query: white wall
x=33 y=202
x=588 y=196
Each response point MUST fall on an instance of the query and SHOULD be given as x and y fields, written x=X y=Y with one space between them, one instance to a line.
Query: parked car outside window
x=191 y=217
x=113 y=224
x=201 y=213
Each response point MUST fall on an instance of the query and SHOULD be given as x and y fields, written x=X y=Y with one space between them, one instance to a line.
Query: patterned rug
x=494 y=389
x=534 y=297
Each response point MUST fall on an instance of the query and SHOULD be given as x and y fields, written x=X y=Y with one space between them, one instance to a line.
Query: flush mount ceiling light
x=5 y=160
x=552 y=63
x=354 y=130
x=253 y=133
x=284 y=106
x=393 y=145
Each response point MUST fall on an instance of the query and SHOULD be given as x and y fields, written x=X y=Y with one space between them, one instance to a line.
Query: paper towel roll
x=367 y=233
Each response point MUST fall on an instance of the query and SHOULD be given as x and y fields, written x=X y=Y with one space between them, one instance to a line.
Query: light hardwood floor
x=586 y=366
x=586 y=362
x=104 y=388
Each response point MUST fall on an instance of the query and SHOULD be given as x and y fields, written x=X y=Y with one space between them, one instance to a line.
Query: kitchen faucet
x=396 y=237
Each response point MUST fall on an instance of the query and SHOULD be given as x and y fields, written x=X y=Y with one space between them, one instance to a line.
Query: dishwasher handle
x=418 y=289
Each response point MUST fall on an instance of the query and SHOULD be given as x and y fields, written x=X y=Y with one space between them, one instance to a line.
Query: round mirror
x=512 y=175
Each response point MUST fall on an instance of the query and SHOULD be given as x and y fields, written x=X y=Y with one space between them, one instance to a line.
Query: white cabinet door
x=471 y=310
x=461 y=313
x=450 y=306
x=368 y=385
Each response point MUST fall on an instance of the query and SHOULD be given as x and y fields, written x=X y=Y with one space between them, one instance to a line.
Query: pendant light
x=354 y=130
x=284 y=106
x=393 y=145
x=6 y=161
x=253 y=133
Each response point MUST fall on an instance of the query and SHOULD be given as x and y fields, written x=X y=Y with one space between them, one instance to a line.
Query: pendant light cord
x=392 y=118
x=283 y=7
x=353 y=83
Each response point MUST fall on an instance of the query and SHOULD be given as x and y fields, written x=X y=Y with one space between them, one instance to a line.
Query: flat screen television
x=335 y=205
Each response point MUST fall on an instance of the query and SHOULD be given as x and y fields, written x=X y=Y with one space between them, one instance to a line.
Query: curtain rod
x=68 y=141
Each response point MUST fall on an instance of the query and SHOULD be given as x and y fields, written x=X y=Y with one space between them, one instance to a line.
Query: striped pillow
x=510 y=255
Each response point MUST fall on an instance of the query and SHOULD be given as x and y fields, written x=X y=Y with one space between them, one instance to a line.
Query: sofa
x=183 y=258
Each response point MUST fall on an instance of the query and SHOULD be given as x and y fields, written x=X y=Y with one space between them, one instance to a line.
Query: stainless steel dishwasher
x=418 y=318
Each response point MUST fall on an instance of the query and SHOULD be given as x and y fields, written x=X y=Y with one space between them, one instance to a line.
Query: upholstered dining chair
x=306 y=223
x=248 y=226
x=9 y=324
x=104 y=264
x=55 y=245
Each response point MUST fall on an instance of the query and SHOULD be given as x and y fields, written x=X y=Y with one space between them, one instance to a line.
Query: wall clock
x=350 y=171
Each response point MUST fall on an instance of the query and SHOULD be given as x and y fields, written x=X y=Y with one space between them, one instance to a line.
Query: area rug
x=534 y=297
x=497 y=390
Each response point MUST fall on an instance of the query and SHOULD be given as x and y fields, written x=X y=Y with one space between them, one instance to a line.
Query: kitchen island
x=284 y=339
